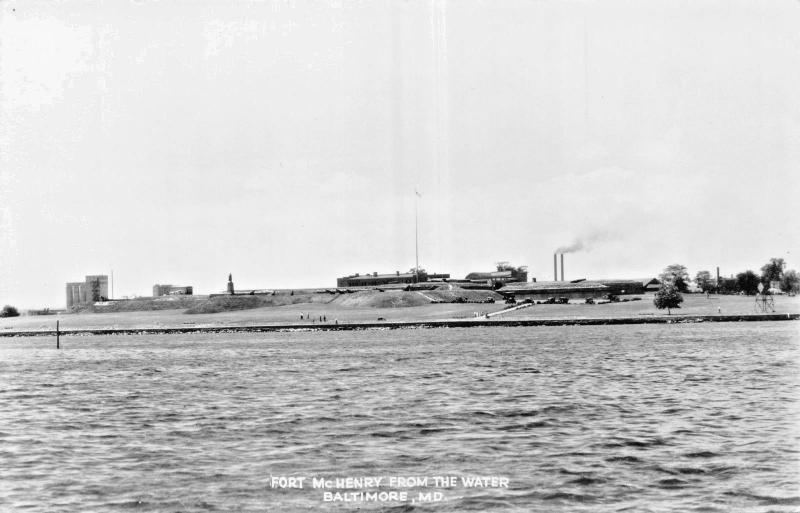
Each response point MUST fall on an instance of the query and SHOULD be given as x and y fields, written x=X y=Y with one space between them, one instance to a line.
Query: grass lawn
x=287 y=314
x=694 y=304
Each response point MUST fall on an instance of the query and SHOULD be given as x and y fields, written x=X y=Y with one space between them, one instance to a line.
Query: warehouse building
x=548 y=289
x=505 y=273
x=576 y=289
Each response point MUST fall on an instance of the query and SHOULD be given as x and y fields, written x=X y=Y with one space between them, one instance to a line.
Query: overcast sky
x=177 y=142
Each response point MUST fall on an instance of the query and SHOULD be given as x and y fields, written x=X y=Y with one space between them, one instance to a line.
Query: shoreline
x=383 y=325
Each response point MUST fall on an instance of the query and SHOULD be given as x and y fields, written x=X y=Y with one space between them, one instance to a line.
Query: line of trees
x=773 y=273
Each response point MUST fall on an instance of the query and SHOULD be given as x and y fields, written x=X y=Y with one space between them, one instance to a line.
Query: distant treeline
x=774 y=277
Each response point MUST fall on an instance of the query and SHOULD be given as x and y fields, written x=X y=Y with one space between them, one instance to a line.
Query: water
x=699 y=417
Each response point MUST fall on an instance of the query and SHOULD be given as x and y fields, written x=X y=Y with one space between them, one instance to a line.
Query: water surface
x=700 y=417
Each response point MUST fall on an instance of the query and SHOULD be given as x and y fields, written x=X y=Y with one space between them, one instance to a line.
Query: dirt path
x=426 y=297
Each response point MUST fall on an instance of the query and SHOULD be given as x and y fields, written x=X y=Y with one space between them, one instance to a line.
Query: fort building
x=167 y=290
x=376 y=280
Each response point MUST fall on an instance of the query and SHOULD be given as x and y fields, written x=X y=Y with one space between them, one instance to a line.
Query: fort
x=506 y=295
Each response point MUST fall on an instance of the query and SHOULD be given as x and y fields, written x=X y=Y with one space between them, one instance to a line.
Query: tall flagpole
x=416 y=234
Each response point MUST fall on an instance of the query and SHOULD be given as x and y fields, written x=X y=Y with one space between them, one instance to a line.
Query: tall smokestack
x=555 y=267
x=562 y=266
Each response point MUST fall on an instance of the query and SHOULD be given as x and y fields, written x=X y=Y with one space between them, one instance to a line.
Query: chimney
x=555 y=267
x=562 y=266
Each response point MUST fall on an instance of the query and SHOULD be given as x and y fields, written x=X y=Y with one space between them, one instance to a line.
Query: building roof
x=488 y=275
x=542 y=286
x=368 y=277
x=617 y=281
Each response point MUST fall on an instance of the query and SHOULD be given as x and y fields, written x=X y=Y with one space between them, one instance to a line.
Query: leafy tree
x=727 y=286
x=676 y=274
x=704 y=281
x=772 y=271
x=668 y=296
x=9 y=311
x=747 y=282
x=790 y=281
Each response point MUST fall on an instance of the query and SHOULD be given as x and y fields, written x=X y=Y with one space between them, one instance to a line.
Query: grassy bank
x=359 y=312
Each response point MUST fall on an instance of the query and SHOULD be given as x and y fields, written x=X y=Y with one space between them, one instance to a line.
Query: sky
x=282 y=141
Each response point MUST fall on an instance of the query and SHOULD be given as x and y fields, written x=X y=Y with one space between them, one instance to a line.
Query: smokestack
x=555 y=267
x=562 y=266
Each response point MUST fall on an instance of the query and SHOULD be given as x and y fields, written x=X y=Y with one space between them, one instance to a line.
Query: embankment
x=469 y=323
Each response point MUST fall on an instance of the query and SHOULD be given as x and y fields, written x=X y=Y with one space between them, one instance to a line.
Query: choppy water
x=611 y=418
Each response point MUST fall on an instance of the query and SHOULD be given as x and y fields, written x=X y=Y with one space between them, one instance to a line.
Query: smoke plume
x=585 y=243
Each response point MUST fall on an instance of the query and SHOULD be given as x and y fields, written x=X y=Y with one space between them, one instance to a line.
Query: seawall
x=459 y=323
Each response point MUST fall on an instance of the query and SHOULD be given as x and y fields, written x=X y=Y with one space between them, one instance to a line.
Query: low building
x=166 y=290
x=623 y=287
x=377 y=280
x=575 y=289
x=556 y=289
x=504 y=274
x=651 y=284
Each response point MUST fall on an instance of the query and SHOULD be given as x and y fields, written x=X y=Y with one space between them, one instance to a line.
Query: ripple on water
x=607 y=418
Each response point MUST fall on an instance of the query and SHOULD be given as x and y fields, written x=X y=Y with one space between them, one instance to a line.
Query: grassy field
x=287 y=314
x=354 y=311
x=693 y=304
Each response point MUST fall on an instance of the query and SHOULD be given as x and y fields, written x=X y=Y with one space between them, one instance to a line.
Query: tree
x=772 y=271
x=703 y=280
x=727 y=286
x=790 y=281
x=668 y=296
x=9 y=311
x=675 y=274
x=747 y=282
x=504 y=266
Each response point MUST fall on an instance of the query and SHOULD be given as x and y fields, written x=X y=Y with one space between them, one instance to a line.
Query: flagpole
x=416 y=234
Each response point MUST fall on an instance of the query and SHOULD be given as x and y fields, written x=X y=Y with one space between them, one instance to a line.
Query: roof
x=543 y=286
x=488 y=275
x=367 y=277
x=642 y=281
